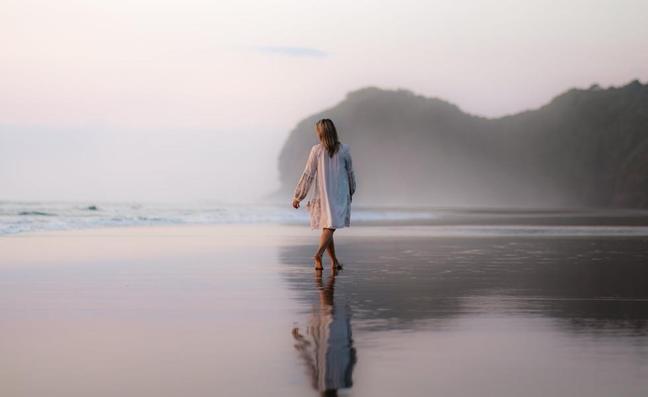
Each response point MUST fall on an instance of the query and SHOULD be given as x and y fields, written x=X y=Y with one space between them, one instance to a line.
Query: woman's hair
x=328 y=135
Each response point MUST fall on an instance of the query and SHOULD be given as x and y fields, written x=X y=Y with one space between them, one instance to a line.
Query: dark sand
x=238 y=311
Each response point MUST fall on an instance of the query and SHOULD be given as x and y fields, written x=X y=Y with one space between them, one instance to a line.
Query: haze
x=170 y=100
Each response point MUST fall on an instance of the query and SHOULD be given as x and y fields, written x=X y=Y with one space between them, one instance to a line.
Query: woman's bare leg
x=325 y=238
x=331 y=252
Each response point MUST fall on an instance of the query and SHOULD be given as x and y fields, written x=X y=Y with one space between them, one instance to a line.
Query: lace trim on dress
x=303 y=186
x=315 y=209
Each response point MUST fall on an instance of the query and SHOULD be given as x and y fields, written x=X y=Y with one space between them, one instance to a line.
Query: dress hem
x=329 y=227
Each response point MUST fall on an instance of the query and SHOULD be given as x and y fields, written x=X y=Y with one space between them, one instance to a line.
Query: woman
x=329 y=165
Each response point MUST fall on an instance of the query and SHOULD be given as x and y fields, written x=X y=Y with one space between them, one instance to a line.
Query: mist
x=104 y=164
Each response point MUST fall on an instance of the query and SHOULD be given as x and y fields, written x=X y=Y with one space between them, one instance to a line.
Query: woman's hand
x=295 y=203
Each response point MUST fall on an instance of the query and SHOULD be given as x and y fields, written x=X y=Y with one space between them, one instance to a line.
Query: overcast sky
x=177 y=100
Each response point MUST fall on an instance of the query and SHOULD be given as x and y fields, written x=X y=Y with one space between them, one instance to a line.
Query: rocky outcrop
x=586 y=147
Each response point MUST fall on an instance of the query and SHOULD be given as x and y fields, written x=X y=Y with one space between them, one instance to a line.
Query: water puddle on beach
x=239 y=311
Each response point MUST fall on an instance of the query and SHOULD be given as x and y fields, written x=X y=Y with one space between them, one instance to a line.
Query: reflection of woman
x=327 y=347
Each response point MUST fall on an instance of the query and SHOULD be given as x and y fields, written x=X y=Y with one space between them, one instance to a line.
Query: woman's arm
x=306 y=179
x=350 y=173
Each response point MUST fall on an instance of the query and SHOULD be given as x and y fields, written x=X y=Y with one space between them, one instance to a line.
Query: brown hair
x=328 y=135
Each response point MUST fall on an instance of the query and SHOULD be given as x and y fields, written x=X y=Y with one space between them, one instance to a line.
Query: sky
x=191 y=100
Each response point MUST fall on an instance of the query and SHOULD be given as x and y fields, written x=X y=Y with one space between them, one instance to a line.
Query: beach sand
x=237 y=310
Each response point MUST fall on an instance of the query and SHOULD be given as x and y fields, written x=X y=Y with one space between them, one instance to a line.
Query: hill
x=585 y=148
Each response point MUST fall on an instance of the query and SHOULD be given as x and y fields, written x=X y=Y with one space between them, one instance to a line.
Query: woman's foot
x=318 y=262
x=336 y=266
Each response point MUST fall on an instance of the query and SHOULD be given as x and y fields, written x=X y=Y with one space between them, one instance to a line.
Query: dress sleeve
x=306 y=179
x=350 y=174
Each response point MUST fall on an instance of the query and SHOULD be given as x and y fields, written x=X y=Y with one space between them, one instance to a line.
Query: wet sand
x=237 y=310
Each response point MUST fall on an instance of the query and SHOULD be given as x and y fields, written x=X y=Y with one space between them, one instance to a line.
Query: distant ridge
x=585 y=148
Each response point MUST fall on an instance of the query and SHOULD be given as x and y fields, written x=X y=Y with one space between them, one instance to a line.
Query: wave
x=35 y=213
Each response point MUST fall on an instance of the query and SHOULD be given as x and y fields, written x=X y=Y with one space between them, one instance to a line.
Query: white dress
x=330 y=203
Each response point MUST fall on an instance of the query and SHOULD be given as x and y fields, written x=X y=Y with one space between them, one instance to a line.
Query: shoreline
x=367 y=229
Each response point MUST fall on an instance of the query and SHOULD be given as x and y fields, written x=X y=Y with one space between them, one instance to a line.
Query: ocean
x=33 y=216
